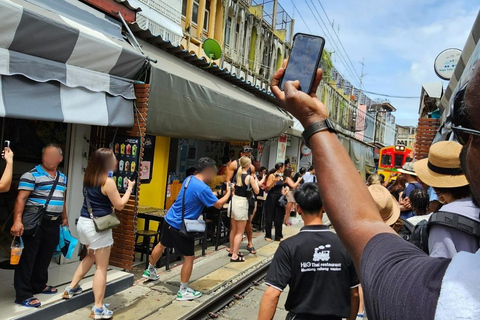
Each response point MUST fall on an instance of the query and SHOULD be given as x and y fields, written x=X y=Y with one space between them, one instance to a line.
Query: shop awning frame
x=61 y=69
x=187 y=102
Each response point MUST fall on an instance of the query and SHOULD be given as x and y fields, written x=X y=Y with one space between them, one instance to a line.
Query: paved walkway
x=211 y=274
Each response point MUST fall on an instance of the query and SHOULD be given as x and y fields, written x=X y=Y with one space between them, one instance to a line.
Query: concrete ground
x=211 y=274
x=247 y=308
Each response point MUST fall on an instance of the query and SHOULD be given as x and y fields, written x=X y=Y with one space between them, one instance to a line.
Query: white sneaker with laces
x=188 y=294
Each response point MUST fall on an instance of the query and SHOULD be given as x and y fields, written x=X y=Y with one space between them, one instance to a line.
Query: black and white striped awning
x=54 y=67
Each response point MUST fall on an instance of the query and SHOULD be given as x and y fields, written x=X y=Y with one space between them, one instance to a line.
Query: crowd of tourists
x=400 y=247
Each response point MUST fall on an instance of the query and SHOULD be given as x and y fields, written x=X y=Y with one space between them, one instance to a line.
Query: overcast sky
x=398 y=41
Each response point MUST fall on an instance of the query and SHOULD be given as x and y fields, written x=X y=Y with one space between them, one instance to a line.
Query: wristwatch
x=317 y=127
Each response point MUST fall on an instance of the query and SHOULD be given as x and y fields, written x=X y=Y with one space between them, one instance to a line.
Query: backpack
x=418 y=234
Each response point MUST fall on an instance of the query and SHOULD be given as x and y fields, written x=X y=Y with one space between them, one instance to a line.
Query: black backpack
x=418 y=234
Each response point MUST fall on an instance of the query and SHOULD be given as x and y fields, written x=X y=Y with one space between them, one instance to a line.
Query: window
x=206 y=18
x=227 y=30
x=195 y=11
x=237 y=31
x=184 y=8
x=398 y=160
x=387 y=160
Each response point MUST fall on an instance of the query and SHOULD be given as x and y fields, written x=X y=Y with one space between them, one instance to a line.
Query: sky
x=397 y=40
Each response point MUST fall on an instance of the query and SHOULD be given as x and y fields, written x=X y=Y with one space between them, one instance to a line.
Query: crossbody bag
x=190 y=228
x=107 y=222
x=43 y=209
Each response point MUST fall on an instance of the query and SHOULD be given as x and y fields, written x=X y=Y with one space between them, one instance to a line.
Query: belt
x=51 y=218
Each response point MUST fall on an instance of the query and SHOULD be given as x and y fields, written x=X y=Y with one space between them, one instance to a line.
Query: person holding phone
x=6 y=180
x=103 y=195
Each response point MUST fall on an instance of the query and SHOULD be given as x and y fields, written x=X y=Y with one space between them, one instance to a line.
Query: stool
x=144 y=247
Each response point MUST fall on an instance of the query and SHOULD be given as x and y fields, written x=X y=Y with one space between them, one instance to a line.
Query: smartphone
x=304 y=60
x=134 y=176
x=6 y=144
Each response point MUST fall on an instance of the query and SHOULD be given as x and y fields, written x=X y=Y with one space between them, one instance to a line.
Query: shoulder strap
x=185 y=186
x=52 y=190
x=457 y=221
x=89 y=205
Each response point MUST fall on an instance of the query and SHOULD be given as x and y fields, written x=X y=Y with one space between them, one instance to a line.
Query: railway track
x=210 y=309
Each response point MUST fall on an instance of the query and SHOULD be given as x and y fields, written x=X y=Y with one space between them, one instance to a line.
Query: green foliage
x=327 y=65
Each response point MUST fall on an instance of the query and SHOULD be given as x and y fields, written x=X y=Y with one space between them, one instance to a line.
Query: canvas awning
x=54 y=67
x=187 y=102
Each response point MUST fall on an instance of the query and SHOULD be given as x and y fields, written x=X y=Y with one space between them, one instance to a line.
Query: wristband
x=317 y=127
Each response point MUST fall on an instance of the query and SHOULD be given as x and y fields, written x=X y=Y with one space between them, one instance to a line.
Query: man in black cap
x=231 y=170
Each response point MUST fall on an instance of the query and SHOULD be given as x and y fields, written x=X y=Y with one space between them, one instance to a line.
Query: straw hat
x=386 y=204
x=408 y=169
x=442 y=168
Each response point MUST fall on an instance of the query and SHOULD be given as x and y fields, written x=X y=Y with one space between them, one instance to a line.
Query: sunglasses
x=247 y=150
x=462 y=134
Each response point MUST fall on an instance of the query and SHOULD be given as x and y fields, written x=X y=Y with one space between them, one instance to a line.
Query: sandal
x=28 y=303
x=252 y=250
x=268 y=239
x=239 y=259
x=238 y=254
x=49 y=290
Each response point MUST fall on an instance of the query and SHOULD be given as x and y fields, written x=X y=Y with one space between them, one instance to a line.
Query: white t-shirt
x=308 y=177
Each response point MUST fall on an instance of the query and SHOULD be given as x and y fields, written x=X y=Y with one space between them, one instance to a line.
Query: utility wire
x=326 y=31
x=301 y=17
x=389 y=95
x=336 y=35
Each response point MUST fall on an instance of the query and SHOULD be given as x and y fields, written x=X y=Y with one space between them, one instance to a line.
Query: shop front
x=66 y=72
x=192 y=114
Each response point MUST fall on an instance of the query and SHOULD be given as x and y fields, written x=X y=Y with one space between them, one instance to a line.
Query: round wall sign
x=446 y=62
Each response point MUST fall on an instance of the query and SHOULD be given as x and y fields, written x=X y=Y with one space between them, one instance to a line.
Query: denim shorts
x=90 y=237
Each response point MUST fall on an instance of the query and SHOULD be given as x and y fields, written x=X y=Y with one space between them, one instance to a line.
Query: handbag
x=107 y=222
x=43 y=209
x=282 y=201
x=190 y=228
x=66 y=244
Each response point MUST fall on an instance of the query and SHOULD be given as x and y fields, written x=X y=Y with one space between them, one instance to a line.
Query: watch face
x=304 y=150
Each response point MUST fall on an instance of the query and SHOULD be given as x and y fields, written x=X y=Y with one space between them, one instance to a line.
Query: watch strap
x=317 y=127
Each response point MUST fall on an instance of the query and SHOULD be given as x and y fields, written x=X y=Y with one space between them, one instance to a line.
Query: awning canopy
x=186 y=102
x=53 y=67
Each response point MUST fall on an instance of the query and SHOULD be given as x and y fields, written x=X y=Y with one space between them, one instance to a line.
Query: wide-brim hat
x=386 y=204
x=407 y=169
x=442 y=167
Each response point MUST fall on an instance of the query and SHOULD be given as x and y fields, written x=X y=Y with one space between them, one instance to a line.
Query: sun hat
x=442 y=167
x=386 y=204
x=407 y=169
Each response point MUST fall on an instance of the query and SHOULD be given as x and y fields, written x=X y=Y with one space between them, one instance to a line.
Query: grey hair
x=54 y=145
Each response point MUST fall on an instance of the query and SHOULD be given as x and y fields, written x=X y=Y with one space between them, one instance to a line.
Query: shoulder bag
x=107 y=222
x=190 y=228
x=43 y=209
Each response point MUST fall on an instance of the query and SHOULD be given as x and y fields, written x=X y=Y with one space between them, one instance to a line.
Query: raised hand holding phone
x=304 y=61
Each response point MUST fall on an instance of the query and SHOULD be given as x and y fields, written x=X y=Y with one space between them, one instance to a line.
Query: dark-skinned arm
x=354 y=215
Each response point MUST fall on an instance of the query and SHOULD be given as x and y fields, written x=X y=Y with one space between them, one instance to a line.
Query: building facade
x=406 y=136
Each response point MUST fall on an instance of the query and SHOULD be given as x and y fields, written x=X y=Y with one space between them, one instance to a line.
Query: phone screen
x=304 y=60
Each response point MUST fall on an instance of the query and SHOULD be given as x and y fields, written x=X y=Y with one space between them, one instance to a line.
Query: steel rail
x=221 y=300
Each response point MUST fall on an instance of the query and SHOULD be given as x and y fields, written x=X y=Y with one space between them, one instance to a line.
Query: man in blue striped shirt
x=40 y=232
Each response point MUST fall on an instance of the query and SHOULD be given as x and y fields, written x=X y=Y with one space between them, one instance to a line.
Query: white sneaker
x=188 y=294
x=150 y=274
x=102 y=313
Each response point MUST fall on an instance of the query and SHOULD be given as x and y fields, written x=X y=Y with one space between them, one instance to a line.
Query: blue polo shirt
x=39 y=183
x=198 y=196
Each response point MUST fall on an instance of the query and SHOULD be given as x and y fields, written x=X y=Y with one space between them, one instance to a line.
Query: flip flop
x=239 y=259
x=268 y=239
x=49 y=290
x=251 y=250
x=26 y=303
x=238 y=254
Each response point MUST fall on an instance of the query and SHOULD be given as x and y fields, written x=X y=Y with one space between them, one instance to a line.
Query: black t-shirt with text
x=399 y=280
x=316 y=266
